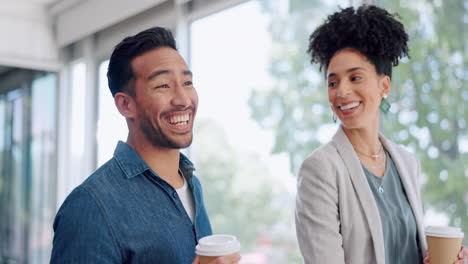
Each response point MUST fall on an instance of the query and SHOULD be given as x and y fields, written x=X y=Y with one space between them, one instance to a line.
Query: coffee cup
x=214 y=246
x=444 y=243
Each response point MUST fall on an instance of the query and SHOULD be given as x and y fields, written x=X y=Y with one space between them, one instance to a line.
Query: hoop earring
x=384 y=104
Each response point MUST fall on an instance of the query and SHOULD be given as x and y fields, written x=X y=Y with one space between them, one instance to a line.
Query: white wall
x=163 y=15
x=27 y=37
x=88 y=17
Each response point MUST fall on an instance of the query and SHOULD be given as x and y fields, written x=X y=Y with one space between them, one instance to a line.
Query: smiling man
x=144 y=205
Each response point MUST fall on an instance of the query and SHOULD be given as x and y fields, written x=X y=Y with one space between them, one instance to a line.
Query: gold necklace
x=377 y=166
x=374 y=156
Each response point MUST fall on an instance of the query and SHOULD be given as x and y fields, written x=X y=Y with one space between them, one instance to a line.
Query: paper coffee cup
x=214 y=246
x=444 y=243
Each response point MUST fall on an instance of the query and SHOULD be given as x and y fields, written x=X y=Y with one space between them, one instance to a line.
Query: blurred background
x=263 y=109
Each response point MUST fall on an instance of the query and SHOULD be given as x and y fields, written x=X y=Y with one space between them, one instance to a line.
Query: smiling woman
x=354 y=189
x=355 y=89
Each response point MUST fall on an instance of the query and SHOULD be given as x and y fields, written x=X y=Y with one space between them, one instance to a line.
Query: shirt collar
x=132 y=164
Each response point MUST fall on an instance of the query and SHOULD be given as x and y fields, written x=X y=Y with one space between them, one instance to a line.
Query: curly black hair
x=371 y=30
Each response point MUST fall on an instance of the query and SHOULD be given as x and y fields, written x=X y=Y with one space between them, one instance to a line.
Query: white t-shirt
x=185 y=195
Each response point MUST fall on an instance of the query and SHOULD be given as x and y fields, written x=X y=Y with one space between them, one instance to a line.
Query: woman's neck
x=364 y=140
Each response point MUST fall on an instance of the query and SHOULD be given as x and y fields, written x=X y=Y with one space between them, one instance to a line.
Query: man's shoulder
x=105 y=181
x=98 y=180
x=94 y=193
x=105 y=174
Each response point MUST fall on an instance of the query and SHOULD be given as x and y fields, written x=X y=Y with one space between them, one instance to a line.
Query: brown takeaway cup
x=444 y=244
x=214 y=246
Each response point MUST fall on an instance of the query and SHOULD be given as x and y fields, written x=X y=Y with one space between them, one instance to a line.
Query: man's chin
x=174 y=144
x=182 y=146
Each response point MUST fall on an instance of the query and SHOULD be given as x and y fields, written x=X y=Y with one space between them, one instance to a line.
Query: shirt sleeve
x=82 y=233
x=317 y=213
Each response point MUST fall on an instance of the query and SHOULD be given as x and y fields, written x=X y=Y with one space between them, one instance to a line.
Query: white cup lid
x=444 y=231
x=217 y=245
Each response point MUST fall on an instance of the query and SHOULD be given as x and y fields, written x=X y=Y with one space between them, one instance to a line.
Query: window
x=111 y=125
x=244 y=72
x=42 y=167
x=27 y=165
x=77 y=126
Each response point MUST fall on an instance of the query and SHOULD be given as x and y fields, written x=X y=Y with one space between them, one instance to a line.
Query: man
x=144 y=205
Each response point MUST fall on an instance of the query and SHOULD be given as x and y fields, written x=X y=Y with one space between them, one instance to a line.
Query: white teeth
x=349 y=106
x=179 y=120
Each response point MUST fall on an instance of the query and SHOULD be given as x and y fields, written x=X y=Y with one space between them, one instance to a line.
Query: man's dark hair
x=371 y=30
x=120 y=73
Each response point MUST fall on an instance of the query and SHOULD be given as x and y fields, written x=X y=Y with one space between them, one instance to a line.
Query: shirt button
x=174 y=194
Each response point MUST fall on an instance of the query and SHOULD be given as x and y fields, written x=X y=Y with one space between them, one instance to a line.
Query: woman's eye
x=356 y=78
x=331 y=84
x=188 y=83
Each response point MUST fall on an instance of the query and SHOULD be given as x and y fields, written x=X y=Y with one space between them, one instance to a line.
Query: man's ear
x=125 y=104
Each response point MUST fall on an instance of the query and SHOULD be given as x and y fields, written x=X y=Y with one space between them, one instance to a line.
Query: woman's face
x=355 y=90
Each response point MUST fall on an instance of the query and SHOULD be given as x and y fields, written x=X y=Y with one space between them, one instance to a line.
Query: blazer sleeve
x=317 y=212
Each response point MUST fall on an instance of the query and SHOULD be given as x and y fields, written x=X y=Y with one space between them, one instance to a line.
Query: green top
x=398 y=223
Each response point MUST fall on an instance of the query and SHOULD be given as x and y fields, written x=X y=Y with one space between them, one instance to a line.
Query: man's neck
x=163 y=161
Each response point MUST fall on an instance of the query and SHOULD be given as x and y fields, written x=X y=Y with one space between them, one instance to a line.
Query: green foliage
x=297 y=105
x=432 y=88
x=240 y=197
x=429 y=93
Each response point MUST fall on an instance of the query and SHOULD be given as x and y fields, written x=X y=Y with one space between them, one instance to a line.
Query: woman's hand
x=462 y=256
x=229 y=259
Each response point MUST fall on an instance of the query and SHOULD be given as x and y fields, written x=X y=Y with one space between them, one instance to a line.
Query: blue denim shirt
x=125 y=213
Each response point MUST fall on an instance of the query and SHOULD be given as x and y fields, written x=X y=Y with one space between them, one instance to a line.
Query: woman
x=358 y=200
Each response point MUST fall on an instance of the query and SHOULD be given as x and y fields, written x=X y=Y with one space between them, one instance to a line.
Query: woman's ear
x=386 y=82
x=125 y=104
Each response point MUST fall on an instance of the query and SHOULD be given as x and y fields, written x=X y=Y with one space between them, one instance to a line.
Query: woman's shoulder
x=400 y=150
x=325 y=152
x=322 y=159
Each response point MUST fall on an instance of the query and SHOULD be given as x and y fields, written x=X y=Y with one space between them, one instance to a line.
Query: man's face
x=166 y=101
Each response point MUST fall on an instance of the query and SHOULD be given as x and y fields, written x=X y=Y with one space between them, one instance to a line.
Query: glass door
x=14 y=187
x=27 y=166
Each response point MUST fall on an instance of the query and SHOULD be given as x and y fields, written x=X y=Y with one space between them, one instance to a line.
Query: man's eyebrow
x=161 y=72
x=348 y=70
x=156 y=74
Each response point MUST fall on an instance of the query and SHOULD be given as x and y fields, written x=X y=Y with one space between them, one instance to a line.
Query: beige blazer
x=337 y=219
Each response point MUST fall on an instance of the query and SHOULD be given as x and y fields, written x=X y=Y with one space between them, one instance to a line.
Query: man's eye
x=356 y=78
x=162 y=86
x=331 y=84
x=188 y=83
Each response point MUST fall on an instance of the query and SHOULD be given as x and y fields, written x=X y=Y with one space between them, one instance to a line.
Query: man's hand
x=462 y=256
x=229 y=259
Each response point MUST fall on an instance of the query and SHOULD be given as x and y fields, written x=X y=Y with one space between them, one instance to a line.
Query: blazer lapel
x=409 y=187
x=364 y=193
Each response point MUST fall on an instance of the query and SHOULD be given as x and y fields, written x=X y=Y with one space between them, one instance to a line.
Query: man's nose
x=181 y=96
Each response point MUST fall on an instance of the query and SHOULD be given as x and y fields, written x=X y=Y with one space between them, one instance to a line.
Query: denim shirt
x=125 y=213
